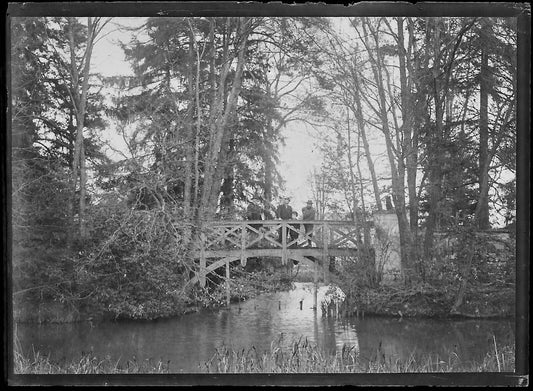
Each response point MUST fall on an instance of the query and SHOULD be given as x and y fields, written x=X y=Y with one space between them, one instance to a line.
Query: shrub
x=136 y=265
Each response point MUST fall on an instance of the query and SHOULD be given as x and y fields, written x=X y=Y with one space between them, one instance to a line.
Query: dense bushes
x=479 y=257
x=136 y=265
x=471 y=274
x=42 y=267
x=478 y=267
x=132 y=265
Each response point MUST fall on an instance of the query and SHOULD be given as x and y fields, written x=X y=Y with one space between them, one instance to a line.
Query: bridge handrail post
x=325 y=258
x=283 y=243
x=315 y=285
x=243 y=244
x=228 y=294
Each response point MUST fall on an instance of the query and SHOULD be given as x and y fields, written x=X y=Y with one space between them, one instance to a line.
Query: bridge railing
x=277 y=234
x=225 y=239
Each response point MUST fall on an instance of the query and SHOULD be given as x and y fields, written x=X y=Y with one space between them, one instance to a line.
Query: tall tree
x=50 y=113
x=236 y=34
x=394 y=152
x=444 y=44
x=79 y=89
x=43 y=150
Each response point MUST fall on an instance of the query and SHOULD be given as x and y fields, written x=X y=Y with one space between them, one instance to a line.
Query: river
x=190 y=340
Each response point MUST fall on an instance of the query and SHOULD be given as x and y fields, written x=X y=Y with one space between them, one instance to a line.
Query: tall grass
x=87 y=364
x=306 y=357
x=300 y=356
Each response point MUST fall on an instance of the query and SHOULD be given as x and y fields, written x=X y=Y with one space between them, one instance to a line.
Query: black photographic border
x=218 y=8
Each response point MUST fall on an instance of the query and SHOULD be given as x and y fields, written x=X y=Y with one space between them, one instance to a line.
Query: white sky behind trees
x=298 y=157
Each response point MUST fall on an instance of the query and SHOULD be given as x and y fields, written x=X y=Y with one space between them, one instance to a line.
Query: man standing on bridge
x=308 y=213
x=283 y=212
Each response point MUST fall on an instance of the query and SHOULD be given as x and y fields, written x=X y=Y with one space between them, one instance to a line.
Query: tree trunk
x=353 y=180
x=83 y=194
x=366 y=228
x=187 y=190
x=420 y=120
x=371 y=168
x=435 y=178
x=482 y=209
x=435 y=149
x=409 y=143
x=228 y=184
x=220 y=170
x=409 y=132
x=220 y=120
x=398 y=191
x=362 y=131
x=79 y=102
x=196 y=186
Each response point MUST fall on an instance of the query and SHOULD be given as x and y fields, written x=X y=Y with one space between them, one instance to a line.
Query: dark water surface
x=190 y=340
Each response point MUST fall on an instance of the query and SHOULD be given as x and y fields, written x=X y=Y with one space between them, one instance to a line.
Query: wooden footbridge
x=221 y=242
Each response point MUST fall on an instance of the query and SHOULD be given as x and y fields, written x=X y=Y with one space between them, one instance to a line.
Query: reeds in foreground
x=87 y=364
x=306 y=357
x=301 y=356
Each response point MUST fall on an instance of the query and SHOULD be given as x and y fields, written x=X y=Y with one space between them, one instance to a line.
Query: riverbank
x=431 y=302
x=392 y=300
x=419 y=301
x=244 y=285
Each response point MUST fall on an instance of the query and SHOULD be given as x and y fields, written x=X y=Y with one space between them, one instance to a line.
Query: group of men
x=257 y=209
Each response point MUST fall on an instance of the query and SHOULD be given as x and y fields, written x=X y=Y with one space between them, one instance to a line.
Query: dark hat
x=309 y=201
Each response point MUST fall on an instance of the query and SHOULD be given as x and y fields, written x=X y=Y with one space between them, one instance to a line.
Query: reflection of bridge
x=223 y=242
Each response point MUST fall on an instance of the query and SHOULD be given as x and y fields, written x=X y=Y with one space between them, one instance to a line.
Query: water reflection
x=192 y=339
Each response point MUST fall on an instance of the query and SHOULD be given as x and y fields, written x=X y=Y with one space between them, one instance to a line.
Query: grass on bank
x=301 y=357
x=306 y=357
x=87 y=364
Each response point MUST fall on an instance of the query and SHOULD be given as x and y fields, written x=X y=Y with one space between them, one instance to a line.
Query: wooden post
x=325 y=259
x=243 y=245
x=315 y=292
x=227 y=284
x=203 y=262
x=283 y=243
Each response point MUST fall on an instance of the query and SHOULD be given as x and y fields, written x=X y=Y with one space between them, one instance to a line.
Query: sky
x=298 y=157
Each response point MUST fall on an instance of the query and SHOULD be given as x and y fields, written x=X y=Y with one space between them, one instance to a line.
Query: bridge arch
x=227 y=260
